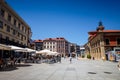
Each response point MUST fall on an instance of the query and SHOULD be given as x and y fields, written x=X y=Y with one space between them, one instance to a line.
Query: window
x=107 y=41
x=2 y=12
x=7 y=40
x=9 y=17
x=118 y=41
x=8 y=29
x=13 y=32
x=44 y=46
x=22 y=37
x=0 y=38
x=18 y=34
x=1 y=24
x=14 y=22
x=19 y=25
x=25 y=38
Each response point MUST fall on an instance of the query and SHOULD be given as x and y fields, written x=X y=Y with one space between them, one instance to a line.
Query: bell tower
x=100 y=27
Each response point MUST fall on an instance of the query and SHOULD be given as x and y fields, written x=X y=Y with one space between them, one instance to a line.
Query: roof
x=111 y=30
x=92 y=34
x=60 y=38
x=38 y=40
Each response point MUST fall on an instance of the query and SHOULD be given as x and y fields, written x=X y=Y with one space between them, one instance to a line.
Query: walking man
x=70 y=59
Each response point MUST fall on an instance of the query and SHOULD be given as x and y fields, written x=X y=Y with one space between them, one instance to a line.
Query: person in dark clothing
x=70 y=59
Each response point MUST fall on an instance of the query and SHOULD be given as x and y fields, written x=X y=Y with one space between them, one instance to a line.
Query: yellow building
x=101 y=41
x=13 y=29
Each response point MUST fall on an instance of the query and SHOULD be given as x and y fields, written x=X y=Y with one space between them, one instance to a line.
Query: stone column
x=102 y=48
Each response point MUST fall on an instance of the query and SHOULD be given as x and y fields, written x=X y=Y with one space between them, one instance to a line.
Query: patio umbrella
x=16 y=48
x=4 y=47
x=43 y=52
x=29 y=50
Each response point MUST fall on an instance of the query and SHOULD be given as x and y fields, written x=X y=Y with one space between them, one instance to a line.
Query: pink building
x=59 y=45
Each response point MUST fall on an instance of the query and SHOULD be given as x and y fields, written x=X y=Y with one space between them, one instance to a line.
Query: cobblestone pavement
x=82 y=69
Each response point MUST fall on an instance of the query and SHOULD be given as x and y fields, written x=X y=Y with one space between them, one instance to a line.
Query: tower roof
x=100 y=27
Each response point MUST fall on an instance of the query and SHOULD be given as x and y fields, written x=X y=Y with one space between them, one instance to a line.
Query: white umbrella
x=4 y=47
x=29 y=50
x=43 y=52
x=16 y=48
x=51 y=53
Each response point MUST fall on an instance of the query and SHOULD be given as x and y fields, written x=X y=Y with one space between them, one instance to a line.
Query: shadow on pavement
x=11 y=68
x=23 y=65
x=8 y=69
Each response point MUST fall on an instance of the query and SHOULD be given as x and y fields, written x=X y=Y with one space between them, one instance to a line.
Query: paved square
x=82 y=69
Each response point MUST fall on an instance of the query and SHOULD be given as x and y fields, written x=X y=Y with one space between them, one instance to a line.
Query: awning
x=4 y=47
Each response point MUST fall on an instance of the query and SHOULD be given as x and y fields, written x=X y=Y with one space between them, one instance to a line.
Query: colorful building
x=59 y=45
x=102 y=41
x=38 y=44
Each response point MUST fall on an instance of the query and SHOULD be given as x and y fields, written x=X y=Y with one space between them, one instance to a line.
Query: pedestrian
x=70 y=59
x=1 y=62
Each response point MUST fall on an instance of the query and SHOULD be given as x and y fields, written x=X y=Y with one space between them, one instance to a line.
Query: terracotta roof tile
x=38 y=40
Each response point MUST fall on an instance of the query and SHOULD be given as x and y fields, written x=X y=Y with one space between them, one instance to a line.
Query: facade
x=74 y=49
x=59 y=45
x=13 y=29
x=38 y=45
x=78 y=50
x=50 y=44
x=101 y=41
x=82 y=51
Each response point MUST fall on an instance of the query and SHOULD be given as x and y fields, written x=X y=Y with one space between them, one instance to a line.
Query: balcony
x=8 y=42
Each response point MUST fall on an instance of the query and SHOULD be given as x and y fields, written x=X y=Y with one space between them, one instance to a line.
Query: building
x=38 y=44
x=13 y=29
x=102 y=41
x=78 y=51
x=74 y=50
x=59 y=45
x=82 y=51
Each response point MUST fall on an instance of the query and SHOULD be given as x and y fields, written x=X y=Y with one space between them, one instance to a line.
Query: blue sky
x=71 y=19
